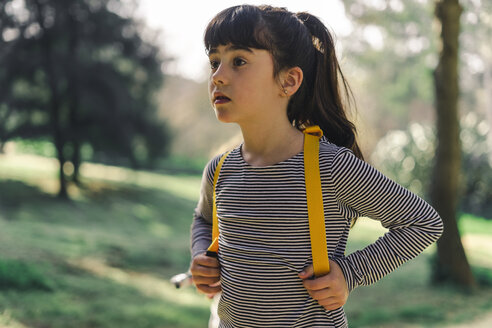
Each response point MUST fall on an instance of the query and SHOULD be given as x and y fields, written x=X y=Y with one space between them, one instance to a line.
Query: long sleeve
x=201 y=228
x=413 y=224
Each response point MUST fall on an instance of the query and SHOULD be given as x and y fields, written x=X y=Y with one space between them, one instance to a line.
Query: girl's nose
x=219 y=76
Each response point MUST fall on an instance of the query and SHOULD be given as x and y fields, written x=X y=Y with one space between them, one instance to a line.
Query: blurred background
x=106 y=125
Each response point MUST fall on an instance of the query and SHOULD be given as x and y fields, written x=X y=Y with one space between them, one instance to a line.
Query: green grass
x=15 y=274
x=471 y=224
x=107 y=256
x=406 y=296
x=136 y=224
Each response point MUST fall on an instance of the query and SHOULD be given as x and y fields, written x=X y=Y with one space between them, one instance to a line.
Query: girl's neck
x=270 y=142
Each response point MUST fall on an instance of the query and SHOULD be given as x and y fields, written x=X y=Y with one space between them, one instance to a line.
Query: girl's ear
x=291 y=80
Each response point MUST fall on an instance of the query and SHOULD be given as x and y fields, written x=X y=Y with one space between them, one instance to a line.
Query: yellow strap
x=314 y=197
x=214 y=247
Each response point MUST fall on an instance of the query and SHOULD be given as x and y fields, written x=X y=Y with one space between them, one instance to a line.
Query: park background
x=106 y=125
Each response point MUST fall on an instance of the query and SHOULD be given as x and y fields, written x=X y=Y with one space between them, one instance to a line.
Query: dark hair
x=293 y=40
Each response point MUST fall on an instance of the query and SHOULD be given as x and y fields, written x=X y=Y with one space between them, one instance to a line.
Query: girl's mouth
x=221 y=100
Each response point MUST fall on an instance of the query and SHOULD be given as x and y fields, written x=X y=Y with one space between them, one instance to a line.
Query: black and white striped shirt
x=264 y=233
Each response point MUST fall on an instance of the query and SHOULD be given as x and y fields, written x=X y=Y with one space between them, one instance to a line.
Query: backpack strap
x=214 y=247
x=314 y=197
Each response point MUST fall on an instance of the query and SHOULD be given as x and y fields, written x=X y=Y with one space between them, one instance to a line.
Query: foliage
x=483 y=276
x=392 y=51
x=181 y=164
x=82 y=73
x=39 y=147
x=476 y=166
x=406 y=156
x=16 y=274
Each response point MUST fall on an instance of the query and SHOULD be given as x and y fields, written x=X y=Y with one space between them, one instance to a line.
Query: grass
x=15 y=274
x=135 y=224
x=416 y=302
x=107 y=255
x=471 y=224
x=406 y=296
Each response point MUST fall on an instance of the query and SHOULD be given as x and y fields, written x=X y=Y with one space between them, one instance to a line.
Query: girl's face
x=245 y=77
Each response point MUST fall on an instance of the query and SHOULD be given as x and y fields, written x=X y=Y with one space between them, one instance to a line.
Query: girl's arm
x=205 y=270
x=201 y=228
x=201 y=235
x=413 y=224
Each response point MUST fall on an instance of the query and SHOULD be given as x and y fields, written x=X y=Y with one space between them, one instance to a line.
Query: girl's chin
x=224 y=119
x=222 y=116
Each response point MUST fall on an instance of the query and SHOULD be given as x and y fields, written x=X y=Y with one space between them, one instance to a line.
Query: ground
x=108 y=254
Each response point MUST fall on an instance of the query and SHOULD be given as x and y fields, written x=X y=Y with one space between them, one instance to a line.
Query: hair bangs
x=239 y=25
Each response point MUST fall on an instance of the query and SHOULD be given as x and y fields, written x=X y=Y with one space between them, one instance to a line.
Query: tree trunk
x=452 y=264
x=76 y=161
x=55 y=100
x=73 y=89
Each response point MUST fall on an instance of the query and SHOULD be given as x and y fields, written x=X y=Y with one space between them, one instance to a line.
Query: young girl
x=274 y=73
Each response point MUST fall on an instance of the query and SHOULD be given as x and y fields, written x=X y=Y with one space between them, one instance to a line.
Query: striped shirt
x=264 y=233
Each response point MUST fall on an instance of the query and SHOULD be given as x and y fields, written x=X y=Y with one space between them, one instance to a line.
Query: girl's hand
x=330 y=290
x=206 y=274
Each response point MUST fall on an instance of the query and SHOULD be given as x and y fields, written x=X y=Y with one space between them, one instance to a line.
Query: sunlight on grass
x=26 y=166
x=478 y=249
x=472 y=224
x=185 y=187
x=147 y=284
x=6 y=321
x=484 y=321
x=35 y=170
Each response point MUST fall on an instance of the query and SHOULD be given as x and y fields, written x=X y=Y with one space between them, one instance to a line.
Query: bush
x=407 y=157
x=39 y=147
x=15 y=274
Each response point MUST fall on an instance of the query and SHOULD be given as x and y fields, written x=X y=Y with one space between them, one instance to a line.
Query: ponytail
x=325 y=104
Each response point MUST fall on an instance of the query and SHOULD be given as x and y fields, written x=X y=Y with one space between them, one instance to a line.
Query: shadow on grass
x=132 y=227
x=15 y=194
x=98 y=197
x=20 y=275
x=82 y=299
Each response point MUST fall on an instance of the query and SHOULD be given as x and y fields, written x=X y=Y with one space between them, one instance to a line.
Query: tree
x=81 y=73
x=451 y=264
x=405 y=77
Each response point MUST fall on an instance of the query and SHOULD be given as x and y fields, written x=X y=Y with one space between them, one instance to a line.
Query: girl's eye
x=238 y=61
x=213 y=64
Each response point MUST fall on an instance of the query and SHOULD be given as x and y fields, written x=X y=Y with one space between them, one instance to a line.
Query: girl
x=274 y=73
